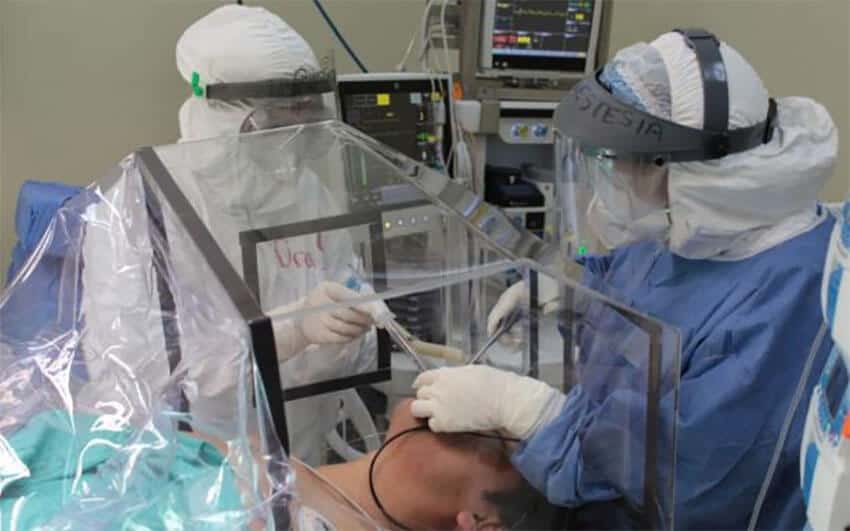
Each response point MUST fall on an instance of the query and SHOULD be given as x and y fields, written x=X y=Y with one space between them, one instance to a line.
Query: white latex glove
x=516 y=295
x=481 y=398
x=513 y=297
x=340 y=325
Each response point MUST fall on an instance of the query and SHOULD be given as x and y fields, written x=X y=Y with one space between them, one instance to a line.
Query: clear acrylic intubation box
x=181 y=374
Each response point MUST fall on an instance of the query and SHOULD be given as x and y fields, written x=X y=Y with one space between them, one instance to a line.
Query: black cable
x=339 y=36
x=398 y=435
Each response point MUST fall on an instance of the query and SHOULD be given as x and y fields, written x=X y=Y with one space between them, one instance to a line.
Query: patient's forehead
x=483 y=457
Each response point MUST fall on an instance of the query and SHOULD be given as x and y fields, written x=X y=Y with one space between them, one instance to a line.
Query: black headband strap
x=270 y=88
x=715 y=88
x=591 y=113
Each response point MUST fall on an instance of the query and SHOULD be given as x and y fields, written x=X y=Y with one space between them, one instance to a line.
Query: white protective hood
x=745 y=203
x=234 y=44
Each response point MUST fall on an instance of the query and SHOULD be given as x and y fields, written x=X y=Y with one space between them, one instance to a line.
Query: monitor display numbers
x=545 y=35
x=555 y=28
x=401 y=120
x=409 y=114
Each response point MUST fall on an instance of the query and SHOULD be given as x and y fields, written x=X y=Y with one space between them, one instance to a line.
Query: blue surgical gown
x=746 y=329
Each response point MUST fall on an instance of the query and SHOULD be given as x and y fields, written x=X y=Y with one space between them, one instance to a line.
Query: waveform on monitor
x=539 y=12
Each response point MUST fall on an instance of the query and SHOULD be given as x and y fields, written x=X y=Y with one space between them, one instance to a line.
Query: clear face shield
x=266 y=175
x=283 y=112
x=303 y=98
x=620 y=197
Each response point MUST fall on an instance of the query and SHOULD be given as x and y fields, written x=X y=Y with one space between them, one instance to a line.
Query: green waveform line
x=540 y=12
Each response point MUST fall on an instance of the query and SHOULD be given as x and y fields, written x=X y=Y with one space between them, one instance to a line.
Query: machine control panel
x=526 y=122
x=525 y=130
x=540 y=130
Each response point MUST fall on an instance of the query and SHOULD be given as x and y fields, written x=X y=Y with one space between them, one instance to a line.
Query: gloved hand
x=481 y=398
x=516 y=296
x=512 y=297
x=336 y=326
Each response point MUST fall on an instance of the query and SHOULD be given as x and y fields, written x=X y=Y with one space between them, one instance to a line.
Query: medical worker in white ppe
x=236 y=185
x=236 y=44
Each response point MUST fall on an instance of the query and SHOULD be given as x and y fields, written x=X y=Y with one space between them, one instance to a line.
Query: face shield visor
x=613 y=157
x=264 y=174
x=283 y=112
x=623 y=196
x=304 y=98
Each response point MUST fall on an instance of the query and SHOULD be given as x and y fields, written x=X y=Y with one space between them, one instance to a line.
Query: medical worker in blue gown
x=705 y=190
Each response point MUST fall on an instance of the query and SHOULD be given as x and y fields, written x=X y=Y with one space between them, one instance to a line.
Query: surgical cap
x=637 y=75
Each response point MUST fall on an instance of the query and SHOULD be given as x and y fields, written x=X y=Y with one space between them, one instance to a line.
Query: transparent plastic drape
x=96 y=429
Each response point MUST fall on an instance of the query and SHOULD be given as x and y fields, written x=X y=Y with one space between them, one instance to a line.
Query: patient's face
x=457 y=467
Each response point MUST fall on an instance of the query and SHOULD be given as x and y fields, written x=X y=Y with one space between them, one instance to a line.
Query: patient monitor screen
x=546 y=35
x=407 y=115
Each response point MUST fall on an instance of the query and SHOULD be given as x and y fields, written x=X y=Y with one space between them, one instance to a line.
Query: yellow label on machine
x=524 y=39
x=383 y=100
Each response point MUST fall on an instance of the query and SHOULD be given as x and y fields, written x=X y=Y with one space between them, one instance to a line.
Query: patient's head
x=454 y=481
